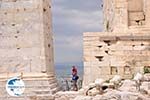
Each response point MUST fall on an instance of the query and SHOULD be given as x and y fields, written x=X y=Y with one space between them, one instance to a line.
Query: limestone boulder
x=85 y=90
x=143 y=97
x=97 y=97
x=93 y=88
x=99 y=82
x=129 y=96
x=68 y=95
x=91 y=85
x=115 y=95
x=128 y=85
x=83 y=98
x=93 y=92
x=122 y=95
x=138 y=77
x=111 y=95
x=146 y=77
x=81 y=91
x=109 y=85
x=116 y=79
x=133 y=96
x=145 y=86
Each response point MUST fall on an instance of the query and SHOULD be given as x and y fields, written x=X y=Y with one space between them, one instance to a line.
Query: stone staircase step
x=54 y=90
x=53 y=85
x=42 y=91
x=40 y=88
x=45 y=97
x=36 y=97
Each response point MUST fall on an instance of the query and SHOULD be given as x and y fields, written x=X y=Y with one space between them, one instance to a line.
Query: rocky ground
x=116 y=89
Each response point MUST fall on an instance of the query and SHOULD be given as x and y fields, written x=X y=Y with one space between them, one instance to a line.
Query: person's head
x=73 y=67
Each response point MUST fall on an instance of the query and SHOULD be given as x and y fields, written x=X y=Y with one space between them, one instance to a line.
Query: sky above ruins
x=70 y=19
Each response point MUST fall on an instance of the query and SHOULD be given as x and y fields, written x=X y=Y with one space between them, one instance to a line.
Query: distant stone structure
x=124 y=46
x=26 y=46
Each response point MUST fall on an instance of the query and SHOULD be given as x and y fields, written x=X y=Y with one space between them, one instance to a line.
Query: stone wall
x=106 y=55
x=26 y=36
x=26 y=46
x=120 y=15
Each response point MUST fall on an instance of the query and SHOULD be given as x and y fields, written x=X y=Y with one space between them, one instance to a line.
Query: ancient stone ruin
x=123 y=49
x=26 y=47
x=124 y=46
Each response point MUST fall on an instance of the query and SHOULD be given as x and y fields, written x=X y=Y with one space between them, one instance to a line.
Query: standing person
x=74 y=71
x=75 y=77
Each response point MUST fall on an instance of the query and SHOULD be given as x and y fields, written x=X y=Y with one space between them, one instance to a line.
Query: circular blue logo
x=15 y=86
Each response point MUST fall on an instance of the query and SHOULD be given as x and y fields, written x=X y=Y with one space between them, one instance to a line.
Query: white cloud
x=71 y=42
x=70 y=20
x=68 y=49
x=84 y=20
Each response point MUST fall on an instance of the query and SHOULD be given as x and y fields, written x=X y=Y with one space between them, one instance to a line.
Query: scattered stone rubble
x=100 y=90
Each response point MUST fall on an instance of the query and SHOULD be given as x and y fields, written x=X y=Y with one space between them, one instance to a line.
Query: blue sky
x=70 y=19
